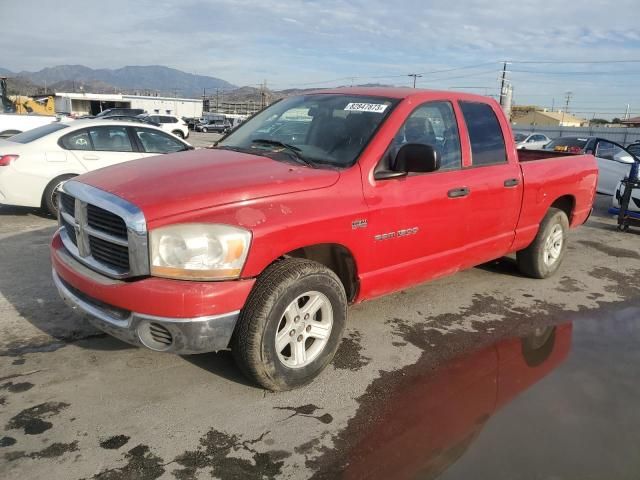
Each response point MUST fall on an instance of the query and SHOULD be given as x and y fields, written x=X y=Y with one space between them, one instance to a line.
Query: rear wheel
x=178 y=133
x=50 y=196
x=291 y=325
x=542 y=258
x=204 y=130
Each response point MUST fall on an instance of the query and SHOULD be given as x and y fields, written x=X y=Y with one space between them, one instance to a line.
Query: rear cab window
x=485 y=134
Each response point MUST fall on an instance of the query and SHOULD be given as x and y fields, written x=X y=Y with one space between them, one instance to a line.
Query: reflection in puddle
x=430 y=418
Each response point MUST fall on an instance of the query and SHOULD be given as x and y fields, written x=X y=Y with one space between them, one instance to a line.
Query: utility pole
x=503 y=85
x=415 y=76
x=217 y=99
x=626 y=114
x=263 y=94
x=553 y=103
x=566 y=105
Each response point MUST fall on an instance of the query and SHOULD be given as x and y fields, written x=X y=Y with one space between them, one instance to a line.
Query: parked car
x=35 y=163
x=169 y=123
x=132 y=112
x=260 y=245
x=217 y=125
x=614 y=161
x=533 y=141
x=192 y=122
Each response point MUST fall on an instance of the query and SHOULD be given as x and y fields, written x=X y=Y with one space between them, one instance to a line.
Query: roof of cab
x=403 y=92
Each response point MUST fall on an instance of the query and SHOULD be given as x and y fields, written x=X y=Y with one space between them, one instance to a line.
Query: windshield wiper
x=292 y=149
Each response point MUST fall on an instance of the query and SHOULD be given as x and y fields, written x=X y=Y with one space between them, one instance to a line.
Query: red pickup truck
x=318 y=201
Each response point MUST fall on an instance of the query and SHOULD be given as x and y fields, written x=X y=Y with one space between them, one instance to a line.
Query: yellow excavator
x=22 y=105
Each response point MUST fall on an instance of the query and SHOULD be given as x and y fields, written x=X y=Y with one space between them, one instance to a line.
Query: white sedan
x=34 y=163
x=533 y=141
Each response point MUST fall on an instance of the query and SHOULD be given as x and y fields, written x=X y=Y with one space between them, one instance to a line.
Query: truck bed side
x=550 y=179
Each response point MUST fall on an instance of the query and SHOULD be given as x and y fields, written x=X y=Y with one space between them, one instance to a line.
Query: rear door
x=100 y=146
x=494 y=184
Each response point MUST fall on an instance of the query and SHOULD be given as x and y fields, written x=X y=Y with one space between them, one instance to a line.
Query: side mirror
x=416 y=157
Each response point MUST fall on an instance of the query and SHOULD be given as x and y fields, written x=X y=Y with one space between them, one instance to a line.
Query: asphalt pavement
x=485 y=374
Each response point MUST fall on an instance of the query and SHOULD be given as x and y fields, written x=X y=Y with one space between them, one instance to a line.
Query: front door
x=416 y=222
x=614 y=163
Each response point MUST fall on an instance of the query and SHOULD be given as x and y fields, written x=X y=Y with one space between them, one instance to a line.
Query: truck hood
x=168 y=185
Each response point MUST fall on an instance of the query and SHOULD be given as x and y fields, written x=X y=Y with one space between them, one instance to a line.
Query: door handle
x=91 y=157
x=458 y=192
x=511 y=182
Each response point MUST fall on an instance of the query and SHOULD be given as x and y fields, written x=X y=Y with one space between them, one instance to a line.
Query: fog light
x=155 y=336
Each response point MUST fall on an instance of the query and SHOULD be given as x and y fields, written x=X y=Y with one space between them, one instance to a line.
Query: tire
x=178 y=133
x=543 y=257
x=277 y=299
x=204 y=130
x=537 y=347
x=49 y=197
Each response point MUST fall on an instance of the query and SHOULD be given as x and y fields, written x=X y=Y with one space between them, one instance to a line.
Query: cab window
x=433 y=124
x=485 y=134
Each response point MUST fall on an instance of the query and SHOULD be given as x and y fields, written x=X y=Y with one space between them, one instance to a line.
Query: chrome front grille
x=103 y=231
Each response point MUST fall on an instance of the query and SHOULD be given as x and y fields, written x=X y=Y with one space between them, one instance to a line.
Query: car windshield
x=519 y=137
x=321 y=129
x=566 y=144
x=37 y=133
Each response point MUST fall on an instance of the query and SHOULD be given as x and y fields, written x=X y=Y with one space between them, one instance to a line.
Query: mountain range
x=142 y=79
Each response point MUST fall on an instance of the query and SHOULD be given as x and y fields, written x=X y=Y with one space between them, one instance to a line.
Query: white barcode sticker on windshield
x=366 y=107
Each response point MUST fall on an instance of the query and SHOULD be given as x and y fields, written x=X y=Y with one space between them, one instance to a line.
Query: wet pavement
x=485 y=374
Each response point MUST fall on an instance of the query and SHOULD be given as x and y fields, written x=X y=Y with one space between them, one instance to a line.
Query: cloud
x=302 y=41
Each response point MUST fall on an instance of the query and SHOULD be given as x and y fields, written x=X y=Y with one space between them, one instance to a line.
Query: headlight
x=199 y=251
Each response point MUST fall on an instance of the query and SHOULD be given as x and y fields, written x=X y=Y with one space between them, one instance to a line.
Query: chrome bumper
x=176 y=335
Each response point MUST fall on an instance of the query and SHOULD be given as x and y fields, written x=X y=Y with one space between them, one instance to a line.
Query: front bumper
x=177 y=335
x=165 y=315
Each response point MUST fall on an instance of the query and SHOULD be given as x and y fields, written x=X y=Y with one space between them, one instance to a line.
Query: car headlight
x=198 y=251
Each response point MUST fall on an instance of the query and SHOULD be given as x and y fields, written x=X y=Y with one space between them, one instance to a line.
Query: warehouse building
x=78 y=104
x=548 y=119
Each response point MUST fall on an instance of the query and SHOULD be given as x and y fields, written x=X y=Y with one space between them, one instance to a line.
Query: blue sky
x=335 y=42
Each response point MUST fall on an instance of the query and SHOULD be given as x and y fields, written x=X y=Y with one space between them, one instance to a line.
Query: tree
x=616 y=120
x=599 y=121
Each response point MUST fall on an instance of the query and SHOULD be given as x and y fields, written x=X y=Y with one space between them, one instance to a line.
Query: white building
x=77 y=104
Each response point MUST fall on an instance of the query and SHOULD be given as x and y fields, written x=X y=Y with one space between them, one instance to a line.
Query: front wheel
x=205 y=130
x=50 y=195
x=543 y=257
x=291 y=325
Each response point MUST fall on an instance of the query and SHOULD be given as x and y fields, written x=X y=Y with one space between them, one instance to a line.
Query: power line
x=586 y=72
x=581 y=62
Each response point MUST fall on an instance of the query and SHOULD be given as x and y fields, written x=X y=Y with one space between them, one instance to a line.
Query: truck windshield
x=321 y=129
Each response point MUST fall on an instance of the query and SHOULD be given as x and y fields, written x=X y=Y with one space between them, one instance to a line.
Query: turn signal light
x=5 y=160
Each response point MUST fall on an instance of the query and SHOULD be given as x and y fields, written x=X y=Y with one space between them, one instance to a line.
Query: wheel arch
x=566 y=203
x=337 y=258
x=57 y=178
